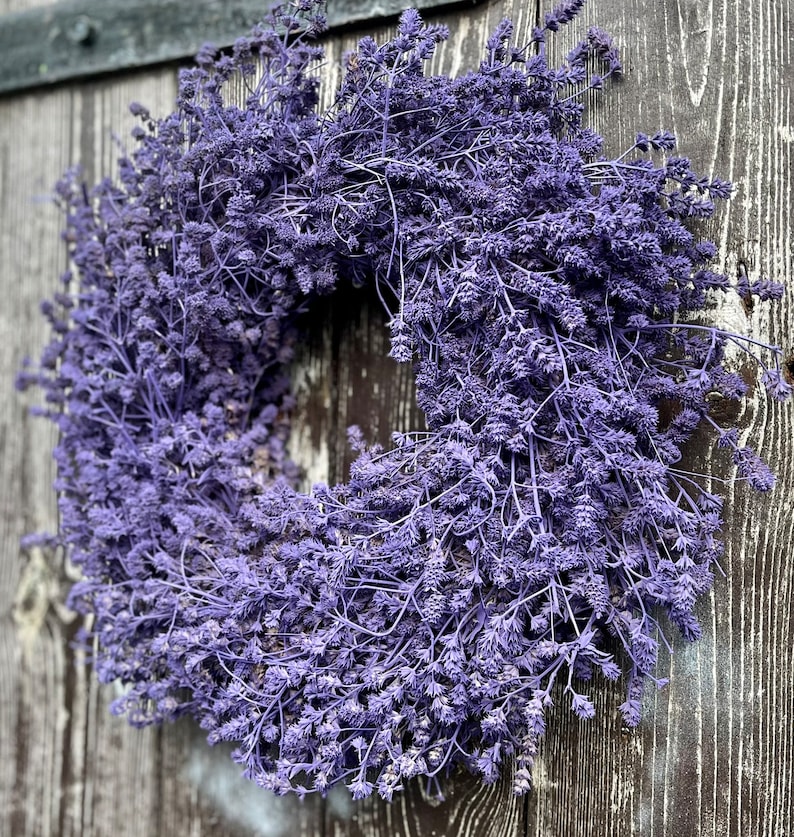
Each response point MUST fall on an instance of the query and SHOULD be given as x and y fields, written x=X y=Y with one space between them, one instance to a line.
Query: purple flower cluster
x=426 y=613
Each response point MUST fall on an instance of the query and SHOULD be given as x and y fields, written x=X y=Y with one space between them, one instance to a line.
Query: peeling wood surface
x=714 y=755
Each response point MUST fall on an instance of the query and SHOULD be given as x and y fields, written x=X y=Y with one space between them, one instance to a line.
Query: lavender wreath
x=421 y=615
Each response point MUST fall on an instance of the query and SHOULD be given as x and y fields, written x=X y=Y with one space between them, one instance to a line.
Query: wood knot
x=788 y=368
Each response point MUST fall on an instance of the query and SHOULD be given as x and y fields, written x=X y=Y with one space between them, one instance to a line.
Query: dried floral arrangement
x=554 y=303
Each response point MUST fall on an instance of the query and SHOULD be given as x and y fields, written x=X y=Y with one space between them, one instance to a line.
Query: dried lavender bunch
x=554 y=302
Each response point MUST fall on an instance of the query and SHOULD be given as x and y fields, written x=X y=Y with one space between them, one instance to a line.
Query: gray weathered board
x=77 y=38
x=714 y=754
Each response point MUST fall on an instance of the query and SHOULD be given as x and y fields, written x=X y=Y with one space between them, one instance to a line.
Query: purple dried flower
x=418 y=616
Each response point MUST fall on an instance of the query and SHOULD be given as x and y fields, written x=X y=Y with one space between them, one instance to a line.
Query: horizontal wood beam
x=77 y=38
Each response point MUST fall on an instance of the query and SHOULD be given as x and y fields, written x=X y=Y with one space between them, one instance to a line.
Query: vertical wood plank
x=361 y=386
x=67 y=767
x=32 y=660
x=344 y=377
x=713 y=754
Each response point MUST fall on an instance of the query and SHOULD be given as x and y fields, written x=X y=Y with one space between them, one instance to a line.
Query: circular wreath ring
x=420 y=615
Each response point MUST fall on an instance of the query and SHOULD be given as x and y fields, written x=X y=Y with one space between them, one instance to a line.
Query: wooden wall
x=714 y=755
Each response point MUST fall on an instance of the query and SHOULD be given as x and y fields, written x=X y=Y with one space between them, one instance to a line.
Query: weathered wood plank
x=344 y=377
x=713 y=755
x=357 y=349
x=469 y=809
x=75 y=39
x=68 y=767
x=33 y=657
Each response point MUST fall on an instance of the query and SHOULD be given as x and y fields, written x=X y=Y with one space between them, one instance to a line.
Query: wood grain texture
x=714 y=754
